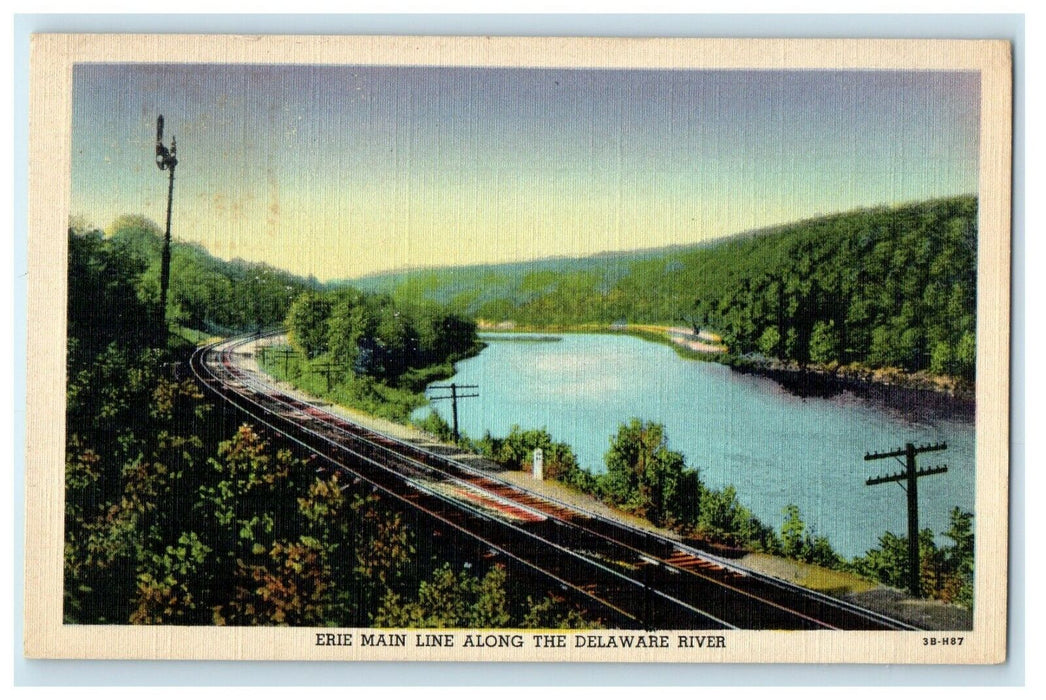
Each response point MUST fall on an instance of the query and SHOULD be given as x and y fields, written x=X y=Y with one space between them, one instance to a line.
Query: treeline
x=887 y=287
x=882 y=288
x=376 y=353
x=205 y=293
x=175 y=514
x=646 y=478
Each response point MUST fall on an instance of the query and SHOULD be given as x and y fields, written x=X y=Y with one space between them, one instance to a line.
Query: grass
x=810 y=576
x=352 y=391
x=602 y=329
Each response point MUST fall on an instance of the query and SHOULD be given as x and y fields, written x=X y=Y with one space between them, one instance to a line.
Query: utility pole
x=326 y=369
x=453 y=396
x=285 y=353
x=910 y=475
x=165 y=160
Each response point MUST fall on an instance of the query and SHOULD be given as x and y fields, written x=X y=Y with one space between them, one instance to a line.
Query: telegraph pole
x=327 y=370
x=453 y=396
x=910 y=475
x=165 y=160
x=286 y=354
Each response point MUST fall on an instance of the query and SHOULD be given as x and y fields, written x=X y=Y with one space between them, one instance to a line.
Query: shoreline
x=889 y=386
x=900 y=391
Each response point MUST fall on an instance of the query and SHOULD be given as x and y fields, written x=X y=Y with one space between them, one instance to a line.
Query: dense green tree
x=307 y=322
x=723 y=518
x=450 y=599
x=957 y=560
x=104 y=306
x=824 y=343
x=554 y=613
x=945 y=572
x=646 y=477
x=349 y=323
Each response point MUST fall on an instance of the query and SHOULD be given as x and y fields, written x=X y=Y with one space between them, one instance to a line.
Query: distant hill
x=471 y=287
x=884 y=287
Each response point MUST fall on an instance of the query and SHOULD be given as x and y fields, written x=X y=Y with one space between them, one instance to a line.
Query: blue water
x=774 y=447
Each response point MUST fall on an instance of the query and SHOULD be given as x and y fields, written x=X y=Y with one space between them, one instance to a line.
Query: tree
x=554 y=613
x=770 y=342
x=793 y=532
x=643 y=475
x=307 y=323
x=824 y=343
x=450 y=599
x=966 y=355
x=349 y=323
x=723 y=518
x=958 y=559
x=104 y=306
x=802 y=545
x=941 y=358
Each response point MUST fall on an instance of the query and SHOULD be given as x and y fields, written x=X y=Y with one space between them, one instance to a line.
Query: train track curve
x=632 y=578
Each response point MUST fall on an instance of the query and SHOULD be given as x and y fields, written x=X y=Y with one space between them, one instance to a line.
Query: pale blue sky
x=339 y=171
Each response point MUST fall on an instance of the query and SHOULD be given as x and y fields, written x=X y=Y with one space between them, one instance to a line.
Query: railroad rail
x=630 y=577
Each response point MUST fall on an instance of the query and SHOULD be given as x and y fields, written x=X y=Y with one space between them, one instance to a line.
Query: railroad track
x=630 y=577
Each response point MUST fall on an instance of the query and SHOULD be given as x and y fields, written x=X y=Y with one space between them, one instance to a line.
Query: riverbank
x=920 y=393
x=890 y=386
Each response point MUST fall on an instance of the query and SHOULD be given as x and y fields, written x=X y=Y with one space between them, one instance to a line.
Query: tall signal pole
x=910 y=475
x=165 y=160
x=454 y=396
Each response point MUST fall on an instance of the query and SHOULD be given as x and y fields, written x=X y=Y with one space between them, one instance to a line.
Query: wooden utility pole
x=285 y=353
x=453 y=396
x=910 y=476
x=327 y=370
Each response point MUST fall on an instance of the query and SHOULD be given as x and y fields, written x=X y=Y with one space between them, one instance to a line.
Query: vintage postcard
x=518 y=349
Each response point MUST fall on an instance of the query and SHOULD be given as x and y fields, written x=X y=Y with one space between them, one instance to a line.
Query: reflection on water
x=774 y=446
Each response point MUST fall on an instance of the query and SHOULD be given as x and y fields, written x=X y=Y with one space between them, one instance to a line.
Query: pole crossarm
x=453 y=388
x=327 y=369
x=284 y=353
x=901 y=452
x=901 y=476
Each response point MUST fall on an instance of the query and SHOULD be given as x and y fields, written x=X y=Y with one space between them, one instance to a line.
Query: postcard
x=518 y=349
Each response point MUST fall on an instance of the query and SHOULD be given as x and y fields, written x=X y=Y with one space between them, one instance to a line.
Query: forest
x=177 y=513
x=890 y=287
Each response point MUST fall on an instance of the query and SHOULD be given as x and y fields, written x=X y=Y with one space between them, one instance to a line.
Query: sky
x=342 y=171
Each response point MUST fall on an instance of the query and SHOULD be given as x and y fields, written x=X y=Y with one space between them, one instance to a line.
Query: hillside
x=884 y=287
x=206 y=293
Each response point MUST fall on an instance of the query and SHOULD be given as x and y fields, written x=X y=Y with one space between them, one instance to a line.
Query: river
x=774 y=447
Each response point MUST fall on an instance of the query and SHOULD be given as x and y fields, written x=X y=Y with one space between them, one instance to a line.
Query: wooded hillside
x=885 y=287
